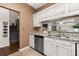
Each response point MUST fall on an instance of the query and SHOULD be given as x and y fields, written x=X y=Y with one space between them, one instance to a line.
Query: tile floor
x=26 y=52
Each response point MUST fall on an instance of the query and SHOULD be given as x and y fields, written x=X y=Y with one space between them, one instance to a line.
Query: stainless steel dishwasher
x=39 y=43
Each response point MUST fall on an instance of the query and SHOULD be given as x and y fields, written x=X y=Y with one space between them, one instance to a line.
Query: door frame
x=19 y=22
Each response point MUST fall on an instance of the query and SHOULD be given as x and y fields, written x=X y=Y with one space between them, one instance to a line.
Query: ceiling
x=36 y=5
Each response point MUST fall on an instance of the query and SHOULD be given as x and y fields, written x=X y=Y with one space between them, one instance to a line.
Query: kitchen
x=43 y=29
x=39 y=29
x=60 y=30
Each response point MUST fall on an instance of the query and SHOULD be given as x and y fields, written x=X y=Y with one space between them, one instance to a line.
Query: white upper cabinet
x=67 y=7
x=71 y=7
x=60 y=9
x=74 y=7
x=47 y=13
x=36 y=21
x=42 y=16
x=52 y=11
x=56 y=11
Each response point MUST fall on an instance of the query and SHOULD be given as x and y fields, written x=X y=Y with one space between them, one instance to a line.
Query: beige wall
x=45 y=6
x=25 y=20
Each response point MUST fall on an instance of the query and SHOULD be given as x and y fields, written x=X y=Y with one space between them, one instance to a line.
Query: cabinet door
x=48 y=48
x=42 y=16
x=62 y=50
x=36 y=21
x=60 y=9
x=74 y=7
x=67 y=7
x=31 y=41
x=77 y=49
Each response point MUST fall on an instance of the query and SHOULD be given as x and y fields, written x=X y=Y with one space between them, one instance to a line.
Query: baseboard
x=23 y=48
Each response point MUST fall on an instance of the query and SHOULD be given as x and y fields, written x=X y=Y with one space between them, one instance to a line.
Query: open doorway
x=14 y=30
x=9 y=31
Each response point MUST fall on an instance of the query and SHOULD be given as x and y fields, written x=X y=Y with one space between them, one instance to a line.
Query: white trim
x=23 y=48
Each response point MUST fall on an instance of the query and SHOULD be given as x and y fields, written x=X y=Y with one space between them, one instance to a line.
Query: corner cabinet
x=31 y=40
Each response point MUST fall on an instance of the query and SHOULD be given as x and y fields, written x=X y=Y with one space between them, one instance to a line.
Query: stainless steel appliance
x=39 y=43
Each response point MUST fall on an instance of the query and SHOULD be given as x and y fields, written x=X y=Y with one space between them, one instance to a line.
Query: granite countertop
x=67 y=39
x=54 y=36
x=38 y=33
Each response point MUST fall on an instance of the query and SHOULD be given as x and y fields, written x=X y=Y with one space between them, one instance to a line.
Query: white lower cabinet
x=78 y=49
x=48 y=47
x=31 y=41
x=62 y=50
x=55 y=47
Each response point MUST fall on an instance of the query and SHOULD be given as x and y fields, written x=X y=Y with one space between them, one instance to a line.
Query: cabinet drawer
x=63 y=42
x=48 y=42
x=48 y=39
